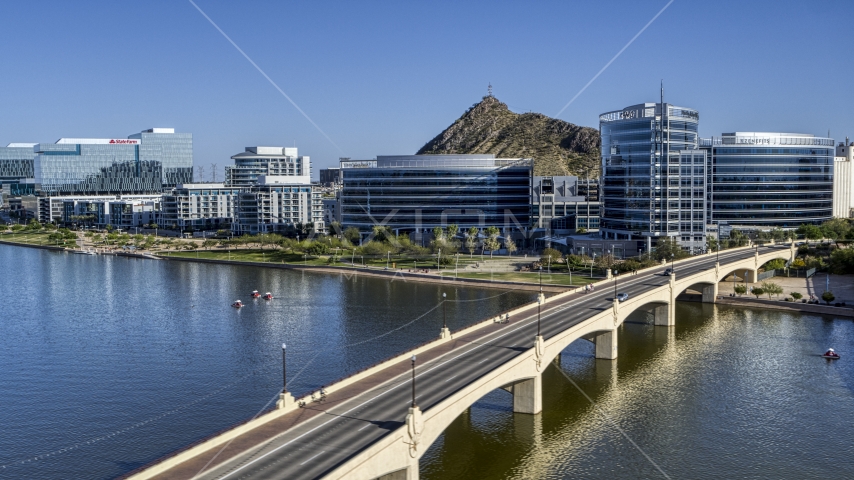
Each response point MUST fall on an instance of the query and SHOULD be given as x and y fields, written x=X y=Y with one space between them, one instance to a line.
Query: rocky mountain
x=557 y=147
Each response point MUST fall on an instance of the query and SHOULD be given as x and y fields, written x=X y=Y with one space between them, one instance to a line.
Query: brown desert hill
x=557 y=147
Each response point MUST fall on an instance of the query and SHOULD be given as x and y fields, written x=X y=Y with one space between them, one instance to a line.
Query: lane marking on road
x=485 y=359
x=366 y=426
x=522 y=324
x=450 y=378
x=312 y=458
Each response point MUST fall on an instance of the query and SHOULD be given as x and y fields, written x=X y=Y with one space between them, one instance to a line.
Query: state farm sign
x=123 y=141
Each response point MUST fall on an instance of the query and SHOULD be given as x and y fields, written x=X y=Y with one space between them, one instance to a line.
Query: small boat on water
x=268 y=296
x=255 y=294
x=831 y=354
x=237 y=304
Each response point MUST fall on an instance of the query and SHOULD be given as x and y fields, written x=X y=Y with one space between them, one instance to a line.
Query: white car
x=622 y=297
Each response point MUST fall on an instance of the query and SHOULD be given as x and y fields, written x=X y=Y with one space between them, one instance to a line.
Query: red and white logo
x=123 y=141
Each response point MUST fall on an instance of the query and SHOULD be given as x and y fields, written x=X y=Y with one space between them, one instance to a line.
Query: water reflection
x=727 y=392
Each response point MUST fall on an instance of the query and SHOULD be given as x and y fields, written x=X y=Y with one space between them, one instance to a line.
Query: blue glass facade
x=770 y=179
x=16 y=163
x=146 y=163
x=654 y=176
x=419 y=192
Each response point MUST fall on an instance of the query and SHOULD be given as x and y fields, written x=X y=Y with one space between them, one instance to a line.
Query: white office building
x=843 y=180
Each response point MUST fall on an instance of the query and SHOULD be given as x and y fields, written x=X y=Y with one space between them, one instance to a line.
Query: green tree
x=828 y=297
x=317 y=248
x=796 y=295
x=550 y=255
x=842 y=261
x=580 y=230
x=17 y=228
x=740 y=289
x=771 y=288
x=472 y=239
x=491 y=243
x=836 y=229
x=666 y=247
x=757 y=291
x=776 y=264
x=810 y=232
x=334 y=228
x=510 y=245
x=209 y=243
x=352 y=235
x=453 y=230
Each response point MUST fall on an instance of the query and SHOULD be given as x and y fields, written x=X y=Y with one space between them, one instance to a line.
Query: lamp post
x=284 y=371
x=591 y=264
x=444 y=318
x=456 y=264
x=413 y=381
x=615 y=283
x=387 y=258
x=672 y=271
x=539 y=300
x=439 y=262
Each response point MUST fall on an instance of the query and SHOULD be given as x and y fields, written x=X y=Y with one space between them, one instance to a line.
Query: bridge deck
x=311 y=442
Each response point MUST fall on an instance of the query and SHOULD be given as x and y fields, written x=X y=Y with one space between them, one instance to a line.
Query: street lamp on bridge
x=284 y=371
x=540 y=299
x=413 y=381
x=444 y=318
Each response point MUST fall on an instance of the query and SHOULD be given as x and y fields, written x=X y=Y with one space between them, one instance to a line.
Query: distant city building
x=843 y=180
x=271 y=161
x=564 y=204
x=331 y=210
x=653 y=175
x=144 y=163
x=279 y=204
x=199 y=206
x=764 y=180
x=120 y=211
x=330 y=177
x=414 y=193
x=16 y=165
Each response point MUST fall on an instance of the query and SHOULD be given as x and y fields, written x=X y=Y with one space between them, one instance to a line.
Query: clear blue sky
x=385 y=77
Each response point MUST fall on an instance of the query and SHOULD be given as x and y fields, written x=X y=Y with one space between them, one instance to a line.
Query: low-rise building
x=279 y=204
x=562 y=205
x=120 y=211
x=200 y=206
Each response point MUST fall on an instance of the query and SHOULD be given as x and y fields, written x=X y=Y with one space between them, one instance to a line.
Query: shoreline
x=393 y=275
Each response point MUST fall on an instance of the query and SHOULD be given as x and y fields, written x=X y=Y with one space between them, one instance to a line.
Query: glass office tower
x=760 y=179
x=414 y=193
x=654 y=176
x=147 y=162
x=16 y=164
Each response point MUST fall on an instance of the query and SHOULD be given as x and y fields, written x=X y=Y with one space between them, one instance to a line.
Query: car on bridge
x=622 y=297
x=667 y=272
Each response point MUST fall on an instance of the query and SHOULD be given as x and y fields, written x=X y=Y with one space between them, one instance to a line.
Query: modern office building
x=331 y=210
x=270 y=161
x=120 y=211
x=843 y=180
x=562 y=205
x=761 y=180
x=414 y=193
x=16 y=165
x=144 y=163
x=330 y=177
x=654 y=176
x=199 y=206
x=277 y=204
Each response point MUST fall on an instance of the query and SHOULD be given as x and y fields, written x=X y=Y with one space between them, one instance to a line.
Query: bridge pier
x=606 y=344
x=445 y=333
x=750 y=275
x=528 y=395
x=663 y=316
x=710 y=293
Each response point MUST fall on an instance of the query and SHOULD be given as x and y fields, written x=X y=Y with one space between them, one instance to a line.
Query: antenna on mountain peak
x=489 y=90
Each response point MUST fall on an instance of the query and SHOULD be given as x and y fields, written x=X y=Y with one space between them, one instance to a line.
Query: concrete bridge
x=368 y=427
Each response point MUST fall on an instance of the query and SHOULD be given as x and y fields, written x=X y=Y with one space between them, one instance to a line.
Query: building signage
x=123 y=141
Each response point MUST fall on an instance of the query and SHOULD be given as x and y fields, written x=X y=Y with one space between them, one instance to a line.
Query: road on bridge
x=340 y=429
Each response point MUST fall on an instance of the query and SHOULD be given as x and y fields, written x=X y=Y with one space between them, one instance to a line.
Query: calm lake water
x=107 y=363
x=727 y=393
